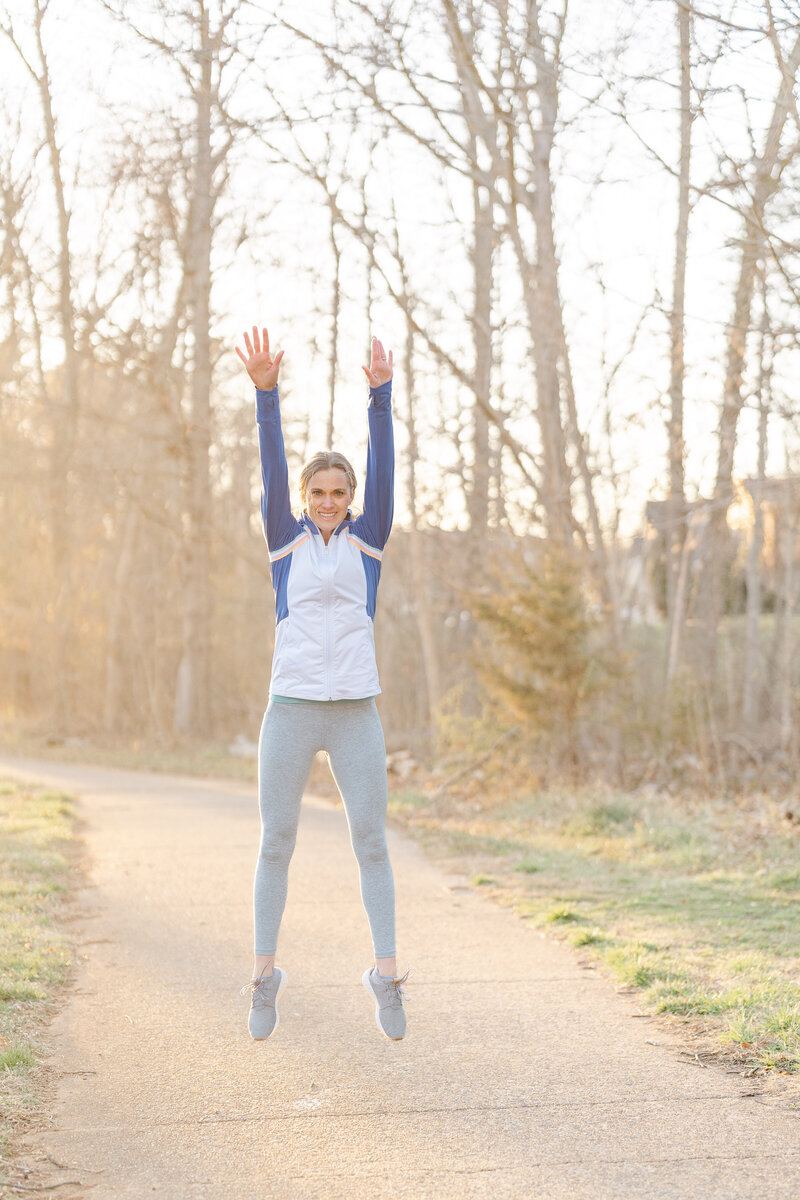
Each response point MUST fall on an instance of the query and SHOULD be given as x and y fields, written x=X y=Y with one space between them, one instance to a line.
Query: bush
x=548 y=663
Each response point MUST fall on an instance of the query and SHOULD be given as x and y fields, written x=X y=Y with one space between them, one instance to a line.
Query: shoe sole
x=281 y=986
x=368 y=986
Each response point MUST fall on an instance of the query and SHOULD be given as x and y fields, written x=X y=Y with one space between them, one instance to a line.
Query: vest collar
x=309 y=523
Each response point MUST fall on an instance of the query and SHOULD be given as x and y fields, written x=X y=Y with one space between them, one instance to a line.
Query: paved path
x=522 y=1075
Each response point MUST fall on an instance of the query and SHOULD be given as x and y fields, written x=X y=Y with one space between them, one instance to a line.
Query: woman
x=325 y=572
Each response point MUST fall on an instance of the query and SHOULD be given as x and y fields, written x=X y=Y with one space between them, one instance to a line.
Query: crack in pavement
x=216 y=1119
x=558 y=1162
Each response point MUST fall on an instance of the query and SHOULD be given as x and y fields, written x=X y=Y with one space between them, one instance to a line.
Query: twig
x=47 y=1187
x=72 y=1167
x=693 y=1060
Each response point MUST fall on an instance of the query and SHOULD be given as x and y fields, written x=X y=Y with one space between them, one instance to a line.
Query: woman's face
x=328 y=498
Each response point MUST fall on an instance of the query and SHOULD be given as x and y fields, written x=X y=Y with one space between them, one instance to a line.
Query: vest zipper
x=328 y=623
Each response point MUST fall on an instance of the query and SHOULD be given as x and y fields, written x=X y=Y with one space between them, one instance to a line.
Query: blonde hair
x=325 y=460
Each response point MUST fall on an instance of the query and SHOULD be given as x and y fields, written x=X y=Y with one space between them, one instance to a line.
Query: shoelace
x=258 y=997
x=399 y=995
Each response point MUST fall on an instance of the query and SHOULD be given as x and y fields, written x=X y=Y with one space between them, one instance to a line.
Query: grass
x=560 y=914
x=527 y=867
x=688 y=900
x=35 y=854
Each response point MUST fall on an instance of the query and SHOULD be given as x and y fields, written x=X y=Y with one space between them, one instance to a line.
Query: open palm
x=261 y=366
x=380 y=368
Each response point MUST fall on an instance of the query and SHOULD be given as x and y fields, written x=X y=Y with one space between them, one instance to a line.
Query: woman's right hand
x=261 y=367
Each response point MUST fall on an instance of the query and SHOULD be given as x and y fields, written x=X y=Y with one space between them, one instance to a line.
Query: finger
x=265 y=341
x=381 y=351
x=277 y=360
x=248 y=344
x=369 y=376
x=241 y=356
x=256 y=341
x=390 y=358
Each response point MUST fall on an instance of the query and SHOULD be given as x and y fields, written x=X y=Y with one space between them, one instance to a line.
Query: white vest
x=325 y=645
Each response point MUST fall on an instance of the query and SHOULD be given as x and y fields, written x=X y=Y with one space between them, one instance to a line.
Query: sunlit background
x=576 y=226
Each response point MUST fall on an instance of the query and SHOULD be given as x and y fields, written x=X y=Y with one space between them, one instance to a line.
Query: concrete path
x=522 y=1075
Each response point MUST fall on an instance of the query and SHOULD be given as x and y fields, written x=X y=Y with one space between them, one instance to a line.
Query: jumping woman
x=325 y=572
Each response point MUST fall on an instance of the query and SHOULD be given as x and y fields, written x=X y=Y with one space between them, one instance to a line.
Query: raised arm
x=280 y=526
x=375 y=522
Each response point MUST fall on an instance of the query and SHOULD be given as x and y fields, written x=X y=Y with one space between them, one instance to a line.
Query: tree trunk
x=191 y=710
x=423 y=613
x=478 y=127
x=333 y=361
x=478 y=500
x=676 y=501
x=65 y=409
x=681 y=601
x=552 y=355
x=547 y=318
x=115 y=640
x=786 y=676
x=751 y=690
x=544 y=337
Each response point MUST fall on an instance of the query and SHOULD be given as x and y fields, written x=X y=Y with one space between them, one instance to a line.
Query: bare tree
x=203 y=57
x=478 y=140
x=63 y=408
x=676 y=504
x=766 y=172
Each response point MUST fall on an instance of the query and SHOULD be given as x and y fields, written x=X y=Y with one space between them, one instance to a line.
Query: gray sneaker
x=388 y=996
x=264 y=992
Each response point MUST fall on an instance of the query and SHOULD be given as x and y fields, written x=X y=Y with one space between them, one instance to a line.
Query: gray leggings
x=350 y=731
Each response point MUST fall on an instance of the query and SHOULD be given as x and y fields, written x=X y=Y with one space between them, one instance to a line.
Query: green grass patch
x=36 y=829
x=585 y=937
x=527 y=867
x=17 y=1058
x=560 y=914
x=599 y=819
x=771 y=1034
x=690 y=900
x=637 y=963
x=465 y=842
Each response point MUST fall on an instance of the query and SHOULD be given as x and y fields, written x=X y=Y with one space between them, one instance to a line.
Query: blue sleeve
x=375 y=522
x=280 y=526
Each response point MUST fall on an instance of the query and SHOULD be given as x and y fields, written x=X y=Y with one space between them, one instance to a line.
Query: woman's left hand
x=380 y=369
